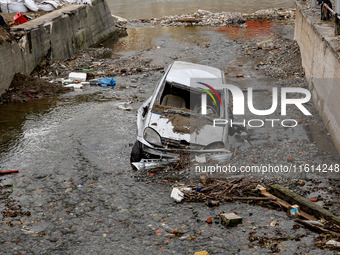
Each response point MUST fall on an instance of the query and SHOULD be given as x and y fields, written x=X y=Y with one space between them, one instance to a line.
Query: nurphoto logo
x=287 y=96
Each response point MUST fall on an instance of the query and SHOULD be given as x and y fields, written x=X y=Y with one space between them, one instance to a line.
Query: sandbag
x=30 y=4
x=46 y=7
x=53 y=3
x=9 y=6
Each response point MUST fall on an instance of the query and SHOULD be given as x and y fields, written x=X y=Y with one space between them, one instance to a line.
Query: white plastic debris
x=333 y=243
x=220 y=157
x=200 y=158
x=66 y=81
x=73 y=85
x=177 y=195
x=124 y=106
x=77 y=76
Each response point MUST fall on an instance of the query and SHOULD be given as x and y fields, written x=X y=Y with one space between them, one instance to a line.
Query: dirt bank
x=24 y=88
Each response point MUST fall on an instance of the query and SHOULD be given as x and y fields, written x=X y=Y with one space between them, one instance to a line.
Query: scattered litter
x=273 y=223
x=212 y=203
x=239 y=75
x=314 y=222
x=201 y=253
x=200 y=158
x=220 y=157
x=9 y=172
x=107 y=82
x=266 y=45
x=19 y=18
x=77 y=76
x=293 y=211
x=314 y=199
x=290 y=159
x=333 y=244
x=209 y=220
x=177 y=195
x=124 y=106
x=94 y=82
x=222 y=189
x=231 y=219
x=145 y=164
x=74 y=85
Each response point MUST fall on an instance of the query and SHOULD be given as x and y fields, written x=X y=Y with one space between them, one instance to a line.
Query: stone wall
x=56 y=35
x=320 y=58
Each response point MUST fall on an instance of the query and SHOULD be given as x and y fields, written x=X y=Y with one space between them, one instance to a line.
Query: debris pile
x=97 y=63
x=207 y=18
x=224 y=190
x=25 y=88
x=282 y=58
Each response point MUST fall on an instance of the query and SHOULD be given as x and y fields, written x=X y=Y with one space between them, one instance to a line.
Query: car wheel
x=136 y=152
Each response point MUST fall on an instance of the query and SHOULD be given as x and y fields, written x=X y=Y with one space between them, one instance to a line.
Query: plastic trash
x=19 y=18
x=77 y=76
x=94 y=82
x=201 y=158
x=177 y=195
x=199 y=188
x=73 y=85
x=107 y=82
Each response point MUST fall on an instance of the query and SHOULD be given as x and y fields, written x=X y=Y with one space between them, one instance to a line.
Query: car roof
x=181 y=72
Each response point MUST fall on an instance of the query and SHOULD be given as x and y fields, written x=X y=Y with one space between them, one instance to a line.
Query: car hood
x=193 y=129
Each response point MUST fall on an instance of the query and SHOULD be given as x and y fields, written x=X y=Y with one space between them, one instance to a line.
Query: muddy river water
x=136 y=9
x=72 y=152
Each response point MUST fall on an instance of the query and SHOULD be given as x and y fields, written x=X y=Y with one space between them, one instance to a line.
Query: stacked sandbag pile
x=15 y=6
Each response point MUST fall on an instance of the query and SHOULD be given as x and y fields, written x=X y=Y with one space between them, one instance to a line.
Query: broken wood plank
x=317 y=228
x=252 y=198
x=304 y=203
x=265 y=193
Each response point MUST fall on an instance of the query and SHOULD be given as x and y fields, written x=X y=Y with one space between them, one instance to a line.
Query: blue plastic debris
x=107 y=82
x=199 y=188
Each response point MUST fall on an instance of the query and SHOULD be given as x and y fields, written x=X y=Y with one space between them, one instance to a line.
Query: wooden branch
x=253 y=198
x=317 y=228
x=304 y=203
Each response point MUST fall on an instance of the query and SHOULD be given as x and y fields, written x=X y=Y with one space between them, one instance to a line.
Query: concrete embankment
x=56 y=35
x=320 y=58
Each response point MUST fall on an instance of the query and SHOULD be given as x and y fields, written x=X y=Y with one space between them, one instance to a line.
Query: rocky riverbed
x=77 y=193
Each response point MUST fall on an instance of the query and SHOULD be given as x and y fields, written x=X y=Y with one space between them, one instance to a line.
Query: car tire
x=136 y=152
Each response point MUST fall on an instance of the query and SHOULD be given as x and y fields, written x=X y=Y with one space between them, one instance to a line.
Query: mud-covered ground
x=76 y=192
x=24 y=88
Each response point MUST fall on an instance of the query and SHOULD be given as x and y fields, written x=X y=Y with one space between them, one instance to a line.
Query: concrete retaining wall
x=56 y=35
x=321 y=61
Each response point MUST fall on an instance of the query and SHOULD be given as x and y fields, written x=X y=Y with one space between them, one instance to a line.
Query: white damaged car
x=172 y=121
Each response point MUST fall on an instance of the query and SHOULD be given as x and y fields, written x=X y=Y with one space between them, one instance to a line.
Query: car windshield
x=177 y=98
